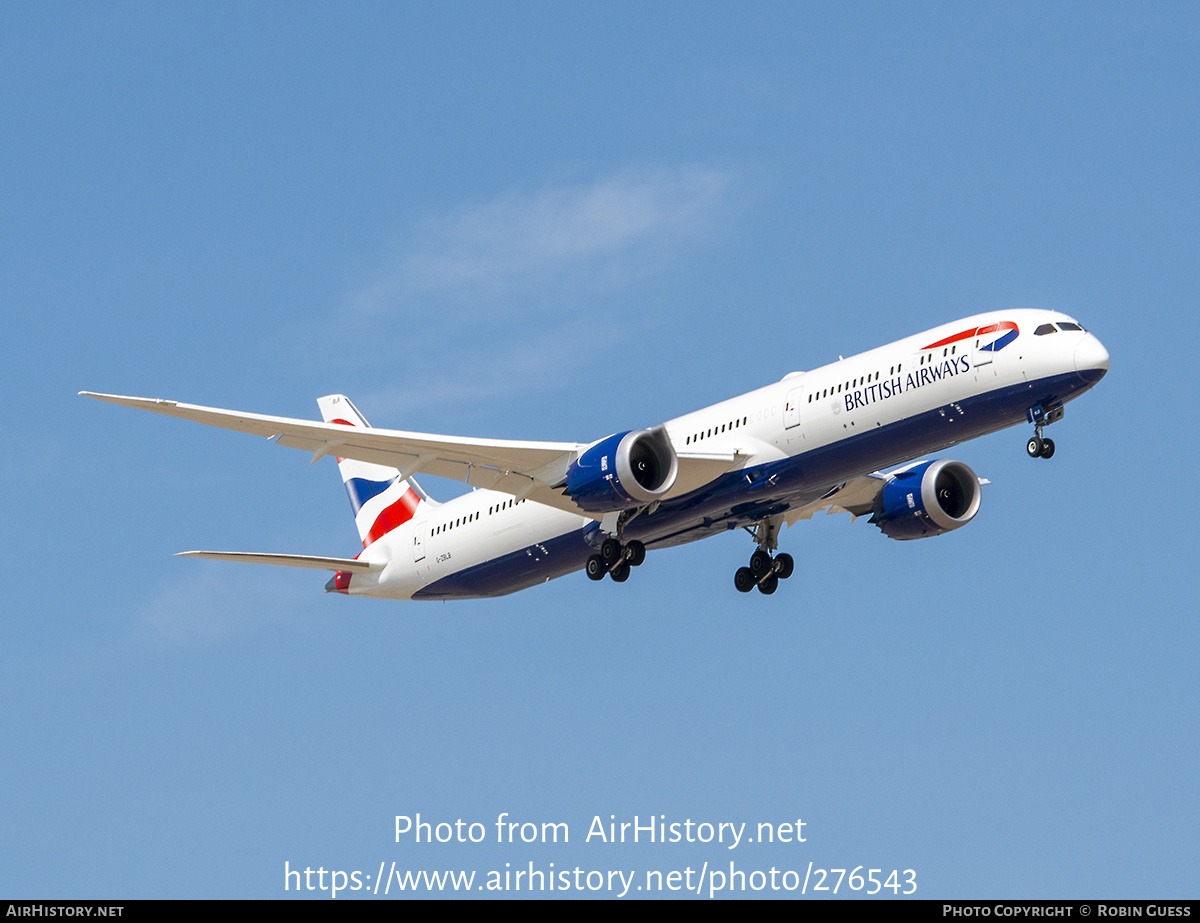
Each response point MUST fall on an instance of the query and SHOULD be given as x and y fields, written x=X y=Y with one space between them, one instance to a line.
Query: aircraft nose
x=1091 y=359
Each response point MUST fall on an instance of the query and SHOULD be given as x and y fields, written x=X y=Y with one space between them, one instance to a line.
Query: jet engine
x=927 y=499
x=623 y=470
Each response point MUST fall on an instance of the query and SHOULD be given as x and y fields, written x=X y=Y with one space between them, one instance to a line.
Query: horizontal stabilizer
x=311 y=561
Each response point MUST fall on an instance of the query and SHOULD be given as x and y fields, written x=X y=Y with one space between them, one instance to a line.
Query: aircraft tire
x=636 y=553
x=769 y=586
x=760 y=563
x=1047 y=448
x=595 y=568
x=610 y=552
x=1034 y=447
x=620 y=573
x=744 y=580
x=784 y=565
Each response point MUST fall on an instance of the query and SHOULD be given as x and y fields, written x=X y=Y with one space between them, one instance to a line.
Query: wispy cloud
x=495 y=369
x=614 y=227
x=526 y=290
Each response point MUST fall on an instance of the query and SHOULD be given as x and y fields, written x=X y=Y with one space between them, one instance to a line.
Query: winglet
x=129 y=401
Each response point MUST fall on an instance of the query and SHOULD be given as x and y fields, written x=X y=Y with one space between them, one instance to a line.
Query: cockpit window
x=1069 y=327
x=1044 y=329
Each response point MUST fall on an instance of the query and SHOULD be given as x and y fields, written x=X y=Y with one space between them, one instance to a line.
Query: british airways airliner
x=814 y=441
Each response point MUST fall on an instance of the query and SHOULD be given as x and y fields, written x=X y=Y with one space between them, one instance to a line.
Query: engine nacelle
x=928 y=499
x=623 y=470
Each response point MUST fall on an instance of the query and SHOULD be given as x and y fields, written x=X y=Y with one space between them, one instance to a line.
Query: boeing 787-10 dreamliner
x=814 y=441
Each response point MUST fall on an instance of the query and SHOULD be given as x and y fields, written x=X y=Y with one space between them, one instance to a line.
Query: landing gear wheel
x=1035 y=447
x=769 y=586
x=595 y=568
x=760 y=564
x=610 y=552
x=635 y=553
x=784 y=565
x=744 y=580
x=1047 y=448
x=620 y=573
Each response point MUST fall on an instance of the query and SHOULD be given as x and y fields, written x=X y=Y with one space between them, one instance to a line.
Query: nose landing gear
x=1040 y=416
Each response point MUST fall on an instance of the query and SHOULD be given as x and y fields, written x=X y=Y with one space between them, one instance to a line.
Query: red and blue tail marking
x=381 y=500
x=1007 y=330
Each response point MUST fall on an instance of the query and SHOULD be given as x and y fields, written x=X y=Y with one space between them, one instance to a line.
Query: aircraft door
x=419 y=532
x=791 y=409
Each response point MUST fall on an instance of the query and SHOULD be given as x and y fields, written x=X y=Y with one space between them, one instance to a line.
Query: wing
x=856 y=497
x=518 y=468
x=534 y=470
x=859 y=496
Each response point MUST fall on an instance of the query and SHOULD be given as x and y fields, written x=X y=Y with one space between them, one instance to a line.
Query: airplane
x=813 y=441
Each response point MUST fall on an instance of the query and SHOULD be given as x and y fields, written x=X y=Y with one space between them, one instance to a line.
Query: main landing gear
x=1040 y=446
x=765 y=571
x=615 y=559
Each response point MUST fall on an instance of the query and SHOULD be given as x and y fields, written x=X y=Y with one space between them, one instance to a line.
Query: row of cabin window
x=474 y=516
x=457 y=522
x=874 y=376
x=716 y=430
x=852 y=383
x=928 y=357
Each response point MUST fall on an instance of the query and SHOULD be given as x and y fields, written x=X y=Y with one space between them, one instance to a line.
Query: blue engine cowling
x=927 y=499
x=623 y=470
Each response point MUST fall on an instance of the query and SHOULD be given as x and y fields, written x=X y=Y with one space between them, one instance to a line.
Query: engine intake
x=928 y=499
x=623 y=470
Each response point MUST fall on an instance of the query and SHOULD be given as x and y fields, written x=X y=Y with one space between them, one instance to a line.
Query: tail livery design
x=381 y=500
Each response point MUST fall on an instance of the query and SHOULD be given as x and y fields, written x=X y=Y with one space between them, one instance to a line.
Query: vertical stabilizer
x=381 y=500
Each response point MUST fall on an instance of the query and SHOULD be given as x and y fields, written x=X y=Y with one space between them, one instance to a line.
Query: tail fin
x=380 y=499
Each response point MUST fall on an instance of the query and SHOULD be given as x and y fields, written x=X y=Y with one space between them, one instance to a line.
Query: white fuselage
x=800 y=437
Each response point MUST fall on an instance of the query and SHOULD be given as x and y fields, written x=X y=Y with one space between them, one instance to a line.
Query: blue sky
x=530 y=221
